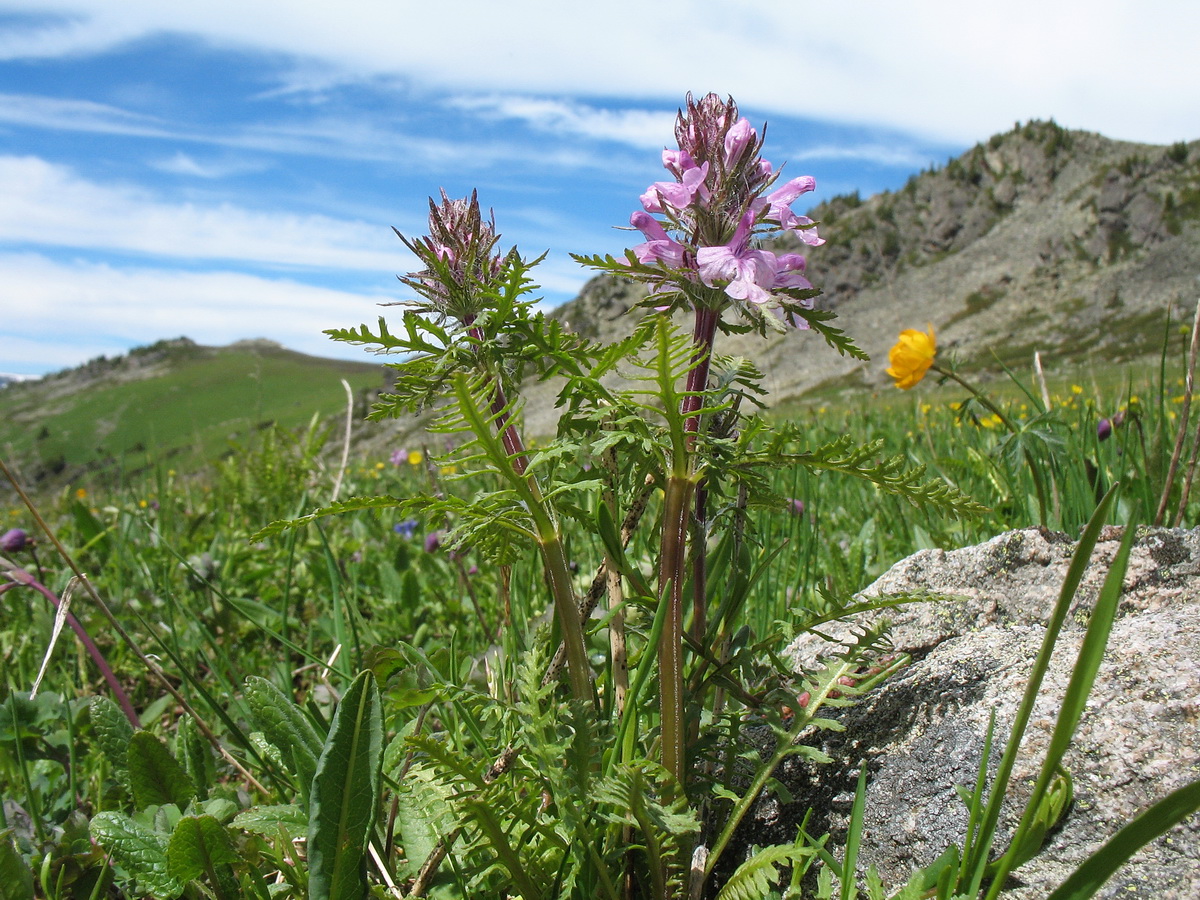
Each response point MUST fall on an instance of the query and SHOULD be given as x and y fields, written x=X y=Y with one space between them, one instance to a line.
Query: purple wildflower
x=433 y=540
x=406 y=528
x=1104 y=429
x=703 y=229
x=14 y=540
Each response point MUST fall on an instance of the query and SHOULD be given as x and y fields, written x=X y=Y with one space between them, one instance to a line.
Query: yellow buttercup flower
x=912 y=356
x=415 y=457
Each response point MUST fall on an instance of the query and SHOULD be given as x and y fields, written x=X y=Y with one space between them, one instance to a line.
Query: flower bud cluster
x=706 y=224
x=461 y=265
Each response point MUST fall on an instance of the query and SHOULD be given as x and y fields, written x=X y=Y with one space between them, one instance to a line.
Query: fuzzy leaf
x=345 y=793
x=269 y=820
x=198 y=845
x=286 y=727
x=138 y=850
x=155 y=777
x=112 y=729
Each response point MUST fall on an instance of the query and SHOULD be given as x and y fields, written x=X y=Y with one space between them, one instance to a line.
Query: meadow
x=486 y=665
x=201 y=608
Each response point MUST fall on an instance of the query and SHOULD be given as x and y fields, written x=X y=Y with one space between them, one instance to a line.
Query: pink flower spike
x=737 y=139
x=660 y=247
x=803 y=228
x=744 y=273
x=780 y=202
x=677 y=162
x=677 y=194
x=789 y=272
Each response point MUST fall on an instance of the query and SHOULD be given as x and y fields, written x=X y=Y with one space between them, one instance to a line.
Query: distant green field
x=190 y=411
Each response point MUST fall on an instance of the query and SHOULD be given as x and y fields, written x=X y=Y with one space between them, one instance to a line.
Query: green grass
x=187 y=411
x=307 y=610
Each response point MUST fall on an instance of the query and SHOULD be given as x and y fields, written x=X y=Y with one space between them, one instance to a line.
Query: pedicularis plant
x=604 y=761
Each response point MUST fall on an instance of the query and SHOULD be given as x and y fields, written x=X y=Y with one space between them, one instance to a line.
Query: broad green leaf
x=112 y=730
x=285 y=725
x=138 y=850
x=1085 y=881
x=345 y=792
x=16 y=878
x=268 y=820
x=197 y=847
x=155 y=778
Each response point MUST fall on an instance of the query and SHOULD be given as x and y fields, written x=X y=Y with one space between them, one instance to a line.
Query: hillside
x=174 y=400
x=1038 y=239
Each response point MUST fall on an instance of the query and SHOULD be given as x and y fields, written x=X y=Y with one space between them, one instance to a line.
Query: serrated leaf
x=198 y=845
x=422 y=813
x=138 y=850
x=286 y=727
x=752 y=880
x=268 y=820
x=112 y=730
x=155 y=777
x=345 y=793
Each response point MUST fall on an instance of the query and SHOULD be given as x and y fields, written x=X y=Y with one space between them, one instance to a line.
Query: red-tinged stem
x=677 y=508
x=20 y=576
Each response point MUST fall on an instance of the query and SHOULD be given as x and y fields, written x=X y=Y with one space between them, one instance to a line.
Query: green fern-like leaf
x=753 y=879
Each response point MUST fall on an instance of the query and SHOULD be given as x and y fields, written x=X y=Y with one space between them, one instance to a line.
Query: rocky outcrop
x=922 y=733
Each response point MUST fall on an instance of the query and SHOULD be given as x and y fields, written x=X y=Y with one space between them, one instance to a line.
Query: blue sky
x=231 y=169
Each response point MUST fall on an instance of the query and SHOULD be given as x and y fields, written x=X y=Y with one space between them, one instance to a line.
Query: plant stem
x=677 y=507
x=20 y=576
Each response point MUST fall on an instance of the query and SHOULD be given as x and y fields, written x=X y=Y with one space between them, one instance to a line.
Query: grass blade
x=1154 y=821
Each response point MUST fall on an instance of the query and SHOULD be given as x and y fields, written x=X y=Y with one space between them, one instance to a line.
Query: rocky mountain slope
x=1037 y=239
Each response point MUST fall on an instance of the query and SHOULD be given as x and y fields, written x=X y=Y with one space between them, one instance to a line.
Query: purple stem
x=20 y=576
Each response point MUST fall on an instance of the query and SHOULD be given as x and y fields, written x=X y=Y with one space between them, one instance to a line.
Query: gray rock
x=923 y=732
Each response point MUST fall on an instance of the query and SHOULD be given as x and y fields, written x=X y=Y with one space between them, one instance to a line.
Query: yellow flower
x=378 y=465
x=1076 y=389
x=912 y=356
x=80 y=493
x=415 y=457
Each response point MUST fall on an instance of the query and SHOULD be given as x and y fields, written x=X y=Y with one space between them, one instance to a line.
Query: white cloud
x=901 y=155
x=77 y=115
x=644 y=129
x=185 y=164
x=72 y=312
x=952 y=71
x=49 y=205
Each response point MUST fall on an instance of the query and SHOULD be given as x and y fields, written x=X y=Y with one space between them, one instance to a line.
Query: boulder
x=923 y=731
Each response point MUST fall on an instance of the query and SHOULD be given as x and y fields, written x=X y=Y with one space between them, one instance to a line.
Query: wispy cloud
x=185 y=164
x=644 y=129
x=79 y=310
x=36 y=111
x=881 y=154
x=49 y=205
x=907 y=66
